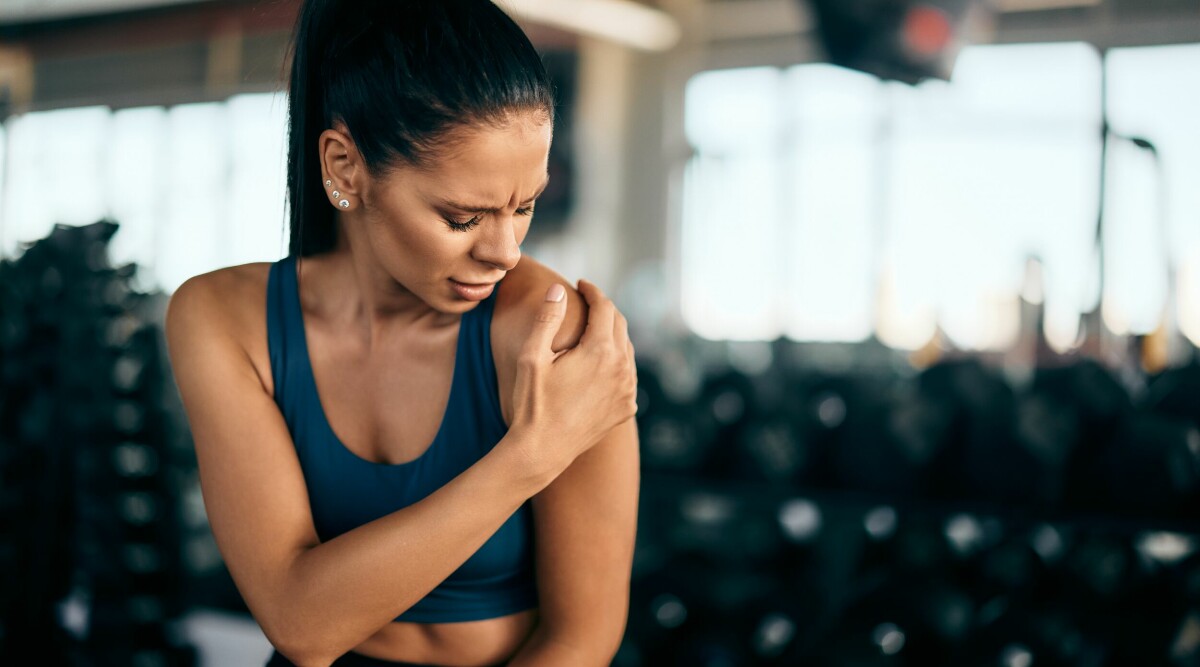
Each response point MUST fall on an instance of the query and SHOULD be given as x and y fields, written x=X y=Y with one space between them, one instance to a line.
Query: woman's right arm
x=313 y=600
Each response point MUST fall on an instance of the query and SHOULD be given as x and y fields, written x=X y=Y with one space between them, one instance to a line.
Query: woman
x=388 y=434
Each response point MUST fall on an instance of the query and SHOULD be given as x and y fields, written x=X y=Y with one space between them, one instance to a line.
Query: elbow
x=595 y=645
x=300 y=646
x=294 y=632
x=610 y=642
x=606 y=636
x=600 y=649
x=301 y=653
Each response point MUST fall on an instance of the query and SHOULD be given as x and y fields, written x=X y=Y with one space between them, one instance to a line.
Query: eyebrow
x=493 y=209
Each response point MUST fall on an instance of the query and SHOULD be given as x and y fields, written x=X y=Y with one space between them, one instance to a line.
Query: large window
x=823 y=204
x=194 y=187
x=1154 y=94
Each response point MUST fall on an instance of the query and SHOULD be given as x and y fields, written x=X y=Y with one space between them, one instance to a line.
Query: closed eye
x=464 y=225
x=468 y=225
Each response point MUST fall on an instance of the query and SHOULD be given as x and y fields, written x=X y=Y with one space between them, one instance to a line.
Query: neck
x=352 y=289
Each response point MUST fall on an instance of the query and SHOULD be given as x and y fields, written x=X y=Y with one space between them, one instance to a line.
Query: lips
x=485 y=284
x=473 y=292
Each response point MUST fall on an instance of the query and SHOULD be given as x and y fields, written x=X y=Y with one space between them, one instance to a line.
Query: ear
x=342 y=165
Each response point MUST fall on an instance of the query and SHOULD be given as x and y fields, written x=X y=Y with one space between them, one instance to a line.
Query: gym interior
x=914 y=287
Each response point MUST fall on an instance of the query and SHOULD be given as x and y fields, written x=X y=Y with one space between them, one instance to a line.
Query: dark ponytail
x=401 y=75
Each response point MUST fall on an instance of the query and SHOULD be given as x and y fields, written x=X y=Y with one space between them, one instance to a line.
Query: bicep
x=585 y=526
x=250 y=478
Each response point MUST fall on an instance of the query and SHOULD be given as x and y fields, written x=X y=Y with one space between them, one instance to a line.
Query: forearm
x=341 y=592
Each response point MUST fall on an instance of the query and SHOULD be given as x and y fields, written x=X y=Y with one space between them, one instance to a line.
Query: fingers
x=600 y=310
x=622 y=342
x=548 y=319
x=621 y=335
x=620 y=326
x=601 y=313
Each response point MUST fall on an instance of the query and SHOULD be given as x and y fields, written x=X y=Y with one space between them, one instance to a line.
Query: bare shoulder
x=518 y=298
x=222 y=307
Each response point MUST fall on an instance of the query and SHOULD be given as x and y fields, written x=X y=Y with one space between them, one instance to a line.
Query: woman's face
x=462 y=217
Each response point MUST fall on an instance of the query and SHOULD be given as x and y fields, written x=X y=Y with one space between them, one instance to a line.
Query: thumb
x=547 y=321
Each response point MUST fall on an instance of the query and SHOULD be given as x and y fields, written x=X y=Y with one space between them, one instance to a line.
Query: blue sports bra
x=346 y=491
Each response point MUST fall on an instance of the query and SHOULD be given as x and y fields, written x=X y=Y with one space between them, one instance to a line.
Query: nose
x=498 y=244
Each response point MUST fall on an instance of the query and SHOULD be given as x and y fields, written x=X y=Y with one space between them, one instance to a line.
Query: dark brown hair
x=401 y=75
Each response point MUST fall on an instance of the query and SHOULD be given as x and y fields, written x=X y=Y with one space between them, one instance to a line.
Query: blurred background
x=914 y=285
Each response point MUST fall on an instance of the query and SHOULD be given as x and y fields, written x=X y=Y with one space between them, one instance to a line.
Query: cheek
x=394 y=235
x=423 y=248
x=391 y=240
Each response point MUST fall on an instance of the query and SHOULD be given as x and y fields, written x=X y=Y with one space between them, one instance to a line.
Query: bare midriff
x=467 y=644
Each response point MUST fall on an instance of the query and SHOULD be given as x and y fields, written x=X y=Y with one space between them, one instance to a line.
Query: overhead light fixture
x=900 y=40
x=621 y=21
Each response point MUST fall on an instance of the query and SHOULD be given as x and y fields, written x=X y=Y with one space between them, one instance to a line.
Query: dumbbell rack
x=762 y=574
x=89 y=505
x=820 y=522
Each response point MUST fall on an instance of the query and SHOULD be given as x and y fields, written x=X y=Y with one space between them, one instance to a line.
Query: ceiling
x=630 y=22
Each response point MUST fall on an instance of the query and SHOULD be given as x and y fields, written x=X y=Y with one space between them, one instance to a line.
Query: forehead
x=492 y=160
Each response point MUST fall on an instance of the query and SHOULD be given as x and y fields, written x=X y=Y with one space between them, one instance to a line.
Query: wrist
x=525 y=459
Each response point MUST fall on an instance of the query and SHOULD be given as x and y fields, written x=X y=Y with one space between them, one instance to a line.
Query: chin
x=452 y=304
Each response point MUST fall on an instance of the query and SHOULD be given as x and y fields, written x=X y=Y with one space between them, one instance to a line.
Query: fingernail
x=556 y=292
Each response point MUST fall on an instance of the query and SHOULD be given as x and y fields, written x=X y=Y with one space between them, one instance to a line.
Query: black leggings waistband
x=350 y=659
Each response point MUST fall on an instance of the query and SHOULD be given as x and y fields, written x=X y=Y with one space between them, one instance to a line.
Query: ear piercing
x=345 y=203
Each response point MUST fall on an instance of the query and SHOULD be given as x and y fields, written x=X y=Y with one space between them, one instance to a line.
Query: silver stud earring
x=344 y=203
x=336 y=194
x=328 y=183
